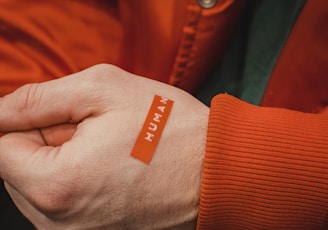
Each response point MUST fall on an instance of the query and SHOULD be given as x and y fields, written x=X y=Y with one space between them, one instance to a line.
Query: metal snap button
x=207 y=3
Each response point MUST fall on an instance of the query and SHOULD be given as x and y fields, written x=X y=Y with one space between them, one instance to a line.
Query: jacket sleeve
x=264 y=168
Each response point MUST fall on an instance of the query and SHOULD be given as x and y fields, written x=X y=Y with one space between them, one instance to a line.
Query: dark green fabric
x=255 y=47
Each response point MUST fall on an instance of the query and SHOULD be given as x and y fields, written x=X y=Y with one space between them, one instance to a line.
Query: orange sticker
x=152 y=129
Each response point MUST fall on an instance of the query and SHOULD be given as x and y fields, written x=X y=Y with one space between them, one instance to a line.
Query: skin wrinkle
x=92 y=164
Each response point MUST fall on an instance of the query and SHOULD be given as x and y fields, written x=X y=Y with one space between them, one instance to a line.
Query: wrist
x=171 y=183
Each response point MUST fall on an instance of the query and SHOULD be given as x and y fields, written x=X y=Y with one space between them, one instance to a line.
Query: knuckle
x=104 y=71
x=52 y=203
x=27 y=96
x=55 y=199
x=106 y=67
x=101 y=80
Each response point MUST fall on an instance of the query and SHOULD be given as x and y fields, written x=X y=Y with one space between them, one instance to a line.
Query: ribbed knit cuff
x=264 y=168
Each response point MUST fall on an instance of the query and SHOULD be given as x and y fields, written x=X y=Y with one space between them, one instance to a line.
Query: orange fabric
x=251 y=156
x=152 y=31
x=265 y=168
x=42 y=40
x=205 y=37
x=300 y=78
x=176 y=42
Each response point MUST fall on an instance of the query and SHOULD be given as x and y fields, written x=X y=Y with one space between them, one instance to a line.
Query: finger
x=68 y=99
x=37 y=171
x=25 y=161
x=58 y=134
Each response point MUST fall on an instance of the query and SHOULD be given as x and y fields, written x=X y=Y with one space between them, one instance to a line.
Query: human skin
x=66 y=157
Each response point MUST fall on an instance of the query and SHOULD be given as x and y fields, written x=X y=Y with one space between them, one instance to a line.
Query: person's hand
x=66 y=158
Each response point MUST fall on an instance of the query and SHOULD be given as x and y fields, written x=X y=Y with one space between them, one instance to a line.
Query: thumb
x=33 y=169
x=65 y=100
x=22 y=158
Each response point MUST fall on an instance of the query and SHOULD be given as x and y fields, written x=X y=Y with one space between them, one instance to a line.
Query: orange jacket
x=172 y=41
x=265 y=168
